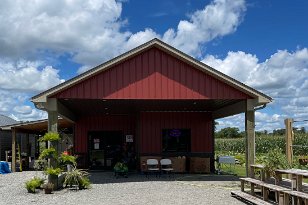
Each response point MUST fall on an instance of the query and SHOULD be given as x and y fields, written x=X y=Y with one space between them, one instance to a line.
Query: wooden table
x=297 y=177
x=254 y=167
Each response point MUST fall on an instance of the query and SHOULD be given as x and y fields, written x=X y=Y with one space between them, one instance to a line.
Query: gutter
x=260 y=107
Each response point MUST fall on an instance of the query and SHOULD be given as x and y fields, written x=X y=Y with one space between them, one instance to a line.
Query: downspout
x=260 y=107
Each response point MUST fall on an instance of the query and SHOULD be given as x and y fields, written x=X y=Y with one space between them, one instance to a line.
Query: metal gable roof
x=5 y=120
x=262 y=98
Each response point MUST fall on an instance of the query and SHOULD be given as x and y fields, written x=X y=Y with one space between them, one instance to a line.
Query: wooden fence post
x=289 y=139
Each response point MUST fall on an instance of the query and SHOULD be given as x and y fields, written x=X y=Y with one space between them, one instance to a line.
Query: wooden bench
x=247 y=197
x=297 y=197
x=265 y=187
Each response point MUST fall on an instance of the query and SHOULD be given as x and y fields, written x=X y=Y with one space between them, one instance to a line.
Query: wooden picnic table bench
x=297 y=197
x=247 y=197
x=265 y=187
x=297 y=177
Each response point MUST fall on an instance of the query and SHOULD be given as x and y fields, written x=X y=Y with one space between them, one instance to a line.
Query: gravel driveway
x=136 y=189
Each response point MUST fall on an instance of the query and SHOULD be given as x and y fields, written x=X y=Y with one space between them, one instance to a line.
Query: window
x=176 y=140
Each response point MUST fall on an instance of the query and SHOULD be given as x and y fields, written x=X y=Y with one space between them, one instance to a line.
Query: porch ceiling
x=36 y=126
x=82 y=107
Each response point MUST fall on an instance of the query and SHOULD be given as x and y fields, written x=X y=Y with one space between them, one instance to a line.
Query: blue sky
x=261 y=43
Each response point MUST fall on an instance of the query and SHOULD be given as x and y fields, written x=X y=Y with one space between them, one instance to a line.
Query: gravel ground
x=136 y=189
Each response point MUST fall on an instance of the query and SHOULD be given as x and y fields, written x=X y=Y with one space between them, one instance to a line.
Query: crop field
x=269 y=149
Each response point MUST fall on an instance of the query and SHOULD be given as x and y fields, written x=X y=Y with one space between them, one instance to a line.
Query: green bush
x=33 y=184
x=275 y=159
x=50 y=136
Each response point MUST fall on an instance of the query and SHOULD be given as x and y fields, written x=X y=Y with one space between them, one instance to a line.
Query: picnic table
x=260 y=167
x=297 y=177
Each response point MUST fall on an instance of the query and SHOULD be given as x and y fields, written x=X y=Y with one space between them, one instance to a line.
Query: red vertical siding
x=123 y=123
x=152 y=123
x=152 y=74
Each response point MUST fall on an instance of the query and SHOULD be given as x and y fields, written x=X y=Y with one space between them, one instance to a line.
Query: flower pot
x=48 y=191
x=69 y=167
x=54 y=180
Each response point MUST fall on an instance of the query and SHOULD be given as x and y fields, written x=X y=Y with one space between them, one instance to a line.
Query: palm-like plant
x=77 y=177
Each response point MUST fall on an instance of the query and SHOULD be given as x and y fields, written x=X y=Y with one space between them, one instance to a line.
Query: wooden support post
x=25 y=147
x=252 y=189
x=250 y=135
x=289 y=138
x=252 y=172
x=299 y=184
x=13 y=150
x=265 y=193
x=293 y=182
x=52 y=127
x=286 y=199
x=281 y=198
x=6 y=156
x=242 y=185
x=52 y=121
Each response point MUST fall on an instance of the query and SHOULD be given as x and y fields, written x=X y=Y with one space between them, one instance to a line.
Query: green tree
x=228 y=132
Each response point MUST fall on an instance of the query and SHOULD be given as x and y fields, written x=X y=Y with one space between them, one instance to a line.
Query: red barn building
x=150 y=101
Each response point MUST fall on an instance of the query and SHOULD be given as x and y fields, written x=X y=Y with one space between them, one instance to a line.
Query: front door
x=104 y=149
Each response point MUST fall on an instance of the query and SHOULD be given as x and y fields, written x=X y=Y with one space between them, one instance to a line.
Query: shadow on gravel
x=108 y=177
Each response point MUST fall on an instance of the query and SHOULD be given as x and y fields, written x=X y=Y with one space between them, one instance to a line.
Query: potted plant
x=48 y=153
x=68 y=161
x=48 y=188
x=53 y=174
x=33 y=184
x=50 y=136
x=77 y=178
x=120 y=169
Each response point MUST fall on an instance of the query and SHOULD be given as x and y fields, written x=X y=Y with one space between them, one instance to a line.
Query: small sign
x=96 y=145
x=129 y=138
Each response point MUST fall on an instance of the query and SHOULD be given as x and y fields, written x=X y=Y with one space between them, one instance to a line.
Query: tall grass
x=264 y=144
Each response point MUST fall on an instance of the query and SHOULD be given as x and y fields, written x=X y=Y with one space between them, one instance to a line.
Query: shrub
x=33 y=184
x=50 y=136
x=275 y=159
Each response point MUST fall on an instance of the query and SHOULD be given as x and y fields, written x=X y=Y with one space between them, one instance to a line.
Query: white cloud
x=19 y=81
x=27 y=76
x=283 y=76
x=93 y=31
x=217 y=19
x=90 y=32
x=13 y=104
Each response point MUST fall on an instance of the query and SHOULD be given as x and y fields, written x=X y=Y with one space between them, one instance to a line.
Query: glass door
x=105 y=149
